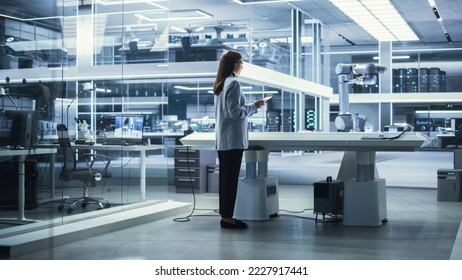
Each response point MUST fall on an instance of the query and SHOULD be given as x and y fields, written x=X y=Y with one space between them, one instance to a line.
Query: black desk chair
x=87 y=174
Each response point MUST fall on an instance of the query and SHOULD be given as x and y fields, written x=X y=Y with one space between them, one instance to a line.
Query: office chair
x=87 y=174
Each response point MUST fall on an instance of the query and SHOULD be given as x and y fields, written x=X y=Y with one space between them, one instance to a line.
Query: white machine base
x=365 y=203
x=257 y=199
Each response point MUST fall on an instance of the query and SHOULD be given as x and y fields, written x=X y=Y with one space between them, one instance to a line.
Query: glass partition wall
x=425 y=90
x=99 y=61
x=68 y=62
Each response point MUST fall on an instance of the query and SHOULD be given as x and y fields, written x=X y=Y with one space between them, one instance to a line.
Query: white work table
x=318 y=141
x=363 y=145
x=141 y=149
x=365 y=191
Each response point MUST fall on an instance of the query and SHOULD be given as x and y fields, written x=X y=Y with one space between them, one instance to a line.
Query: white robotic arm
x=362 y=74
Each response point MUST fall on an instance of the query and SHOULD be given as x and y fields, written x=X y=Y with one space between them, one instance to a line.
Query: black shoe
x=236 y=225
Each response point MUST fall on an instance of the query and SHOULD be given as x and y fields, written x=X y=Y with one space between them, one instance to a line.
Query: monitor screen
x=128 y=127
x=38 y=92
x=24 y=128
x=5 y=125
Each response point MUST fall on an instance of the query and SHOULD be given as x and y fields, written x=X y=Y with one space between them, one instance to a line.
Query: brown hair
x=225 y=69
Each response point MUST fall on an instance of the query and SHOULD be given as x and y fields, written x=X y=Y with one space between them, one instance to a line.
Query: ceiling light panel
x=126 y=2
x=440 y=20
x=176 y=15
x=378 y=17
x=252 y=2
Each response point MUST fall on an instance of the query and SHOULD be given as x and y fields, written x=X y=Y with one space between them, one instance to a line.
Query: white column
x=85 y=36
x=296 y=43
x=385 y=59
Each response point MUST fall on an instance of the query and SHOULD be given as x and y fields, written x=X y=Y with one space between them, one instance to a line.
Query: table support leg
x=143 y=176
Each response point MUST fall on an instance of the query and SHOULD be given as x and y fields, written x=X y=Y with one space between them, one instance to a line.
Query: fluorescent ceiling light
x=395 y=57
x=179 y=29
x=256 y=92
x=440 y=20
x=252 y=2
x=261 y=92
x=379 y=18
x=98 y=15
x=125 y=2
x=58 y=68
x=191 y=88
x=304 y=40
x=437 y=112
x=178 y=15
x=203 y=88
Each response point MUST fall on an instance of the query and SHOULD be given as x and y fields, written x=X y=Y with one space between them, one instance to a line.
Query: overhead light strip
x=178 y=29
x=379 y=18
x=394 y=57
x=256 y=92
x=253 y=2
x=261 y=92
x=440 y=20
x=89 y=15
x=175 y=15
x=126 y=2
x=204 y=88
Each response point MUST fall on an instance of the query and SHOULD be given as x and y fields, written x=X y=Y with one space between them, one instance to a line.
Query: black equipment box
x=328 y=196
x=9 y=185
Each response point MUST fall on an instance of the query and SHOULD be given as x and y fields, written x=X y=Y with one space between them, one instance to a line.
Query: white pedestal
x=257 y=199
x=365 y=203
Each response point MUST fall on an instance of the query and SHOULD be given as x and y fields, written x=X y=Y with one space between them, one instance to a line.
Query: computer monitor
x=120 y=129
x=24 y=128
x=5 y=125
x=40 y=93
x=128 y=127
x=43 y=101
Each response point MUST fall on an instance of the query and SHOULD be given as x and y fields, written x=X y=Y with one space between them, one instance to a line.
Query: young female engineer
x=231 y=112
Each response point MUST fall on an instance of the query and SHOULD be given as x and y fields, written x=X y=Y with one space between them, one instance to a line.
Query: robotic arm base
x=344 y=122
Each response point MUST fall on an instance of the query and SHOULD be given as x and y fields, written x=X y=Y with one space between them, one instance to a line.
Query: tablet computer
x=268 y=98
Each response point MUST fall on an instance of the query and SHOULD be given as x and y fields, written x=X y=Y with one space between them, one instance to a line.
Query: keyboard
x=83 y=142
x=120 y=142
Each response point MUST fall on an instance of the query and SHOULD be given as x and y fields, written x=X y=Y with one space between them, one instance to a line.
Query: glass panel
x=33 y=60
x=412 y=71
x=63 y=64
x=427 y=71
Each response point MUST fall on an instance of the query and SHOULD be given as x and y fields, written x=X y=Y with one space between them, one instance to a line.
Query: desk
x=445 y=140
x=318 y=141
x=21 y=154
x=141 y=149
x=366 y=194
x=363 y=145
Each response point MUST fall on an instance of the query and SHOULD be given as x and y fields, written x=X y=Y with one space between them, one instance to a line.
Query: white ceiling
x=275 y=19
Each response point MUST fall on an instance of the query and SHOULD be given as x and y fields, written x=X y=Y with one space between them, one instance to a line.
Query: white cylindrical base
x=257 y=199
x=365 y=203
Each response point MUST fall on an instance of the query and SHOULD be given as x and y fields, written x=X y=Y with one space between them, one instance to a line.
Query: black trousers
x=229 y=168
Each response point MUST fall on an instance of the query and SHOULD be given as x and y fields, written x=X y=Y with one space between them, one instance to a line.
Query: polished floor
x=419 y=227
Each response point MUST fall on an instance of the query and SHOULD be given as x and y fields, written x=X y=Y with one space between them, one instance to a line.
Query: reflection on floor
x=419 y=227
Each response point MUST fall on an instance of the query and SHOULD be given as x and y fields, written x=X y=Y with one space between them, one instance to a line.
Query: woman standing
x=231 y=112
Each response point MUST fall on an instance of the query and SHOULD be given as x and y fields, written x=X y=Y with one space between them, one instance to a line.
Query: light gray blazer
x=231 y=112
